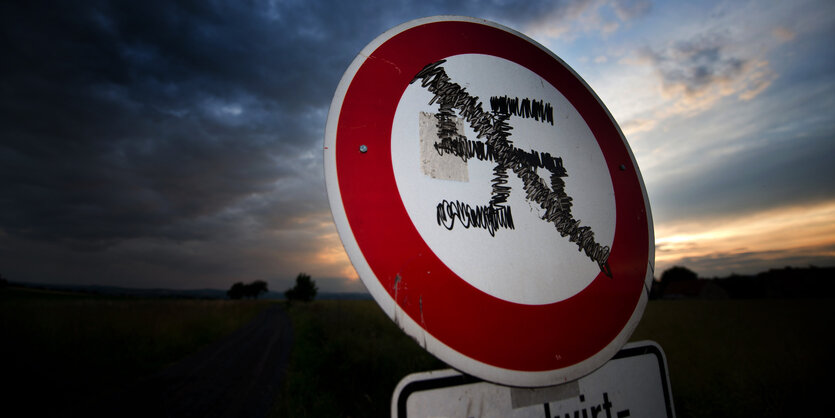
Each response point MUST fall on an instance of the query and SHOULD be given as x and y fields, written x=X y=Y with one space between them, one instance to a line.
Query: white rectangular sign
x=635 y=383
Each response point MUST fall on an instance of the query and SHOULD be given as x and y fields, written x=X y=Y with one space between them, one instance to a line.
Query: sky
x=178 y=144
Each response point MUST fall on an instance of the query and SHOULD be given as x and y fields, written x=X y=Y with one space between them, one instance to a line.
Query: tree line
x=789 y=282
x=304 y=290
x=252 y=290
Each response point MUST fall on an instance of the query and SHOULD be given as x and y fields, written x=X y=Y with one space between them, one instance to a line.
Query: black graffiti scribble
x=498 y=148
x=539 y=110
x=487 y=217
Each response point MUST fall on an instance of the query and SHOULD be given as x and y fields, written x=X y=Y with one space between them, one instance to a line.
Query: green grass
x=764 y=358
x=71 y=348
x=347 y=358
x=729 y=358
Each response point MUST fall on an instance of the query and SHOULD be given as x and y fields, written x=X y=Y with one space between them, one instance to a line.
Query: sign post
x=489 y=201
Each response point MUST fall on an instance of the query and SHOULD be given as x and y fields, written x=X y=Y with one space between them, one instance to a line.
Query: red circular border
x=482 y=327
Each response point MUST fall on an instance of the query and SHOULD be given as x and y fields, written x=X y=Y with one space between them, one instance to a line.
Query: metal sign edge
x=389 y=306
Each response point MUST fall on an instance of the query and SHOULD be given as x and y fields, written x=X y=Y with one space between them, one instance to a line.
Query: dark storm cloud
x=125 y=119
x=176 y=139
x=697 y=64
x=631 y=9
x=790 y=172
x=762 y=154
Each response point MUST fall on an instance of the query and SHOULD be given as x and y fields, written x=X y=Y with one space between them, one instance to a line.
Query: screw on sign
x=489 y=201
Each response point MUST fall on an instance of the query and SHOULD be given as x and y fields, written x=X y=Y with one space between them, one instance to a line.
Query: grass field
x=347 y=358
x=60 y=350
x=764 y=358
x=734 y=358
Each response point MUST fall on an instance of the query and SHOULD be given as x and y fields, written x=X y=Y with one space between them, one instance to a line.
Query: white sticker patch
x=443 y=167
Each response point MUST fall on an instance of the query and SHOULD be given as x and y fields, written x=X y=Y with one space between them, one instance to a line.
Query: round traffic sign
x=489 y=201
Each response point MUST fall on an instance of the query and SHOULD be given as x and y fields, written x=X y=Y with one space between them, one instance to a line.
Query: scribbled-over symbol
x=493 y=144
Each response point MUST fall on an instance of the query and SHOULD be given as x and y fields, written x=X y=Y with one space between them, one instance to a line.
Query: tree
x=255 y=289
x=304 y=290
x=236 y=291
x=672 y=274
x=678 y=274
x=249 y=291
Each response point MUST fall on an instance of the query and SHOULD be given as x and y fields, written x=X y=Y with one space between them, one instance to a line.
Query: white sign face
x=633 y=384
x=488 y=201
x=527 y=252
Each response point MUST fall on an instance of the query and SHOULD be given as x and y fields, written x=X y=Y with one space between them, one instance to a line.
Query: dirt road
x=238 y=376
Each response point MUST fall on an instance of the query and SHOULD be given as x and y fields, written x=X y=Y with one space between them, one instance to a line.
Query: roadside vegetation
x=756 y=357
x=64 y=349
x=736 y=358
x=347 y=357
x=726 y=358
